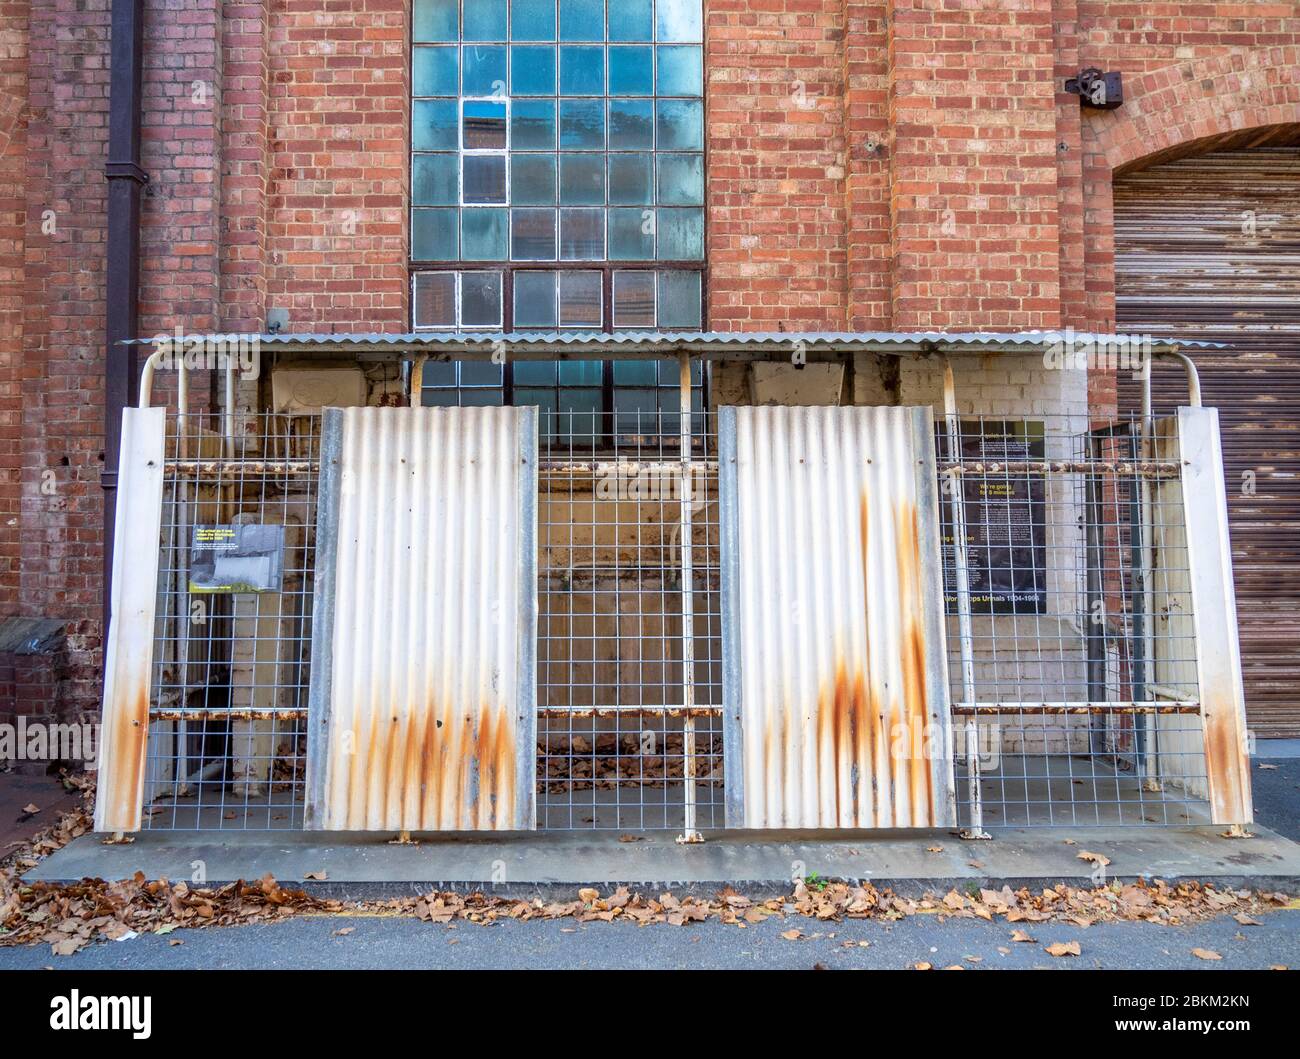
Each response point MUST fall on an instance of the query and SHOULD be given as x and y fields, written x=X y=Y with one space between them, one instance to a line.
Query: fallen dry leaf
x=922 y=966
x=792 y=935
x=1247 y=921
x=1095 y=858
x=343 y=932
x=31 y=809
x=1020 y=935
x=1206 y=954
x=1063 y=948
x=319 y=876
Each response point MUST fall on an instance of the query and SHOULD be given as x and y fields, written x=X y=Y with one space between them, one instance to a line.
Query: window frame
x=606 y=266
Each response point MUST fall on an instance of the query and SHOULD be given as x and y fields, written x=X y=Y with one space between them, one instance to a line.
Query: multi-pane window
x=557 y=171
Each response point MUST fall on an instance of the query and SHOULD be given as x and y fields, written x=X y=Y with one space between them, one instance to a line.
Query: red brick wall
x=873 y=164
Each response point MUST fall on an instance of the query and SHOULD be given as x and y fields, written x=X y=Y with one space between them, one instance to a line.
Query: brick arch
x=1201 y=100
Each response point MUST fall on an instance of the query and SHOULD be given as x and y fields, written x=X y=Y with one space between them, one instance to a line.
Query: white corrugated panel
x=128 y=652
x=835 y=675
x=422 y=700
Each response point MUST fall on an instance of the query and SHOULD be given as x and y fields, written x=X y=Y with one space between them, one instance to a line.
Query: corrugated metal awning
x=718 y=345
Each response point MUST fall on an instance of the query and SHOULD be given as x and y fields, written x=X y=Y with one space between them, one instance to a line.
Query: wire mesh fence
x=231 y=666
x=626 y=716
x=1072 y=668
x=1073 y=665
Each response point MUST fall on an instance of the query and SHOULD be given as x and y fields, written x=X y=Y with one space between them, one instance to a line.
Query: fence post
x=689 y=831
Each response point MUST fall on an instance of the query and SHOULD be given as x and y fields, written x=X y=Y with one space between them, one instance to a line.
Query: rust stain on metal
x=124 y=779
x=836 y=703
x=1225 y=760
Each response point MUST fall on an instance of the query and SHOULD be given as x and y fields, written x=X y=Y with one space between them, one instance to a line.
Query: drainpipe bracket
x=125 y=171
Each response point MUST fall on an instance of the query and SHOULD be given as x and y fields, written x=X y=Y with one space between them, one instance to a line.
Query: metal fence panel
x=129 y=651
x=835 y=701
x=1214 y=609
x=422 y=709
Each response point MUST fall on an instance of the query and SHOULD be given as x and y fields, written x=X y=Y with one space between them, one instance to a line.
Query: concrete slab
x=359 y=865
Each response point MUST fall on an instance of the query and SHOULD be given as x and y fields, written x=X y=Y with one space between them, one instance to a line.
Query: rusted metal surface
x=836 y=702
x=422 y=701
x=128 y=653
x=1214 y=612
x=1208 y=248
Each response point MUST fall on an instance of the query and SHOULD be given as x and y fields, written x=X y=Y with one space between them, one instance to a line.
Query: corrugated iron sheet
x=835 y=683
x=1208 y=248
x=128 y=653
x=754 y=344
x=422 y=696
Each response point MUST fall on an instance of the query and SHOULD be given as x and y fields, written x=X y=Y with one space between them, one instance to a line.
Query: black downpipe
x=126 y=180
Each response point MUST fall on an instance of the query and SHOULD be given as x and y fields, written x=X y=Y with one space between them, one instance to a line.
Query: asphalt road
x=377 y=943
x=1277 y=795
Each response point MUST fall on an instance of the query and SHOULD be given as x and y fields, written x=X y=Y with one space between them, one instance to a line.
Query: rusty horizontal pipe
x=1139 y=468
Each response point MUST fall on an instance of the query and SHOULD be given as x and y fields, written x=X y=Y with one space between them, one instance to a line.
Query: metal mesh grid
x=1074 y=686
x=1076 y=658
x=617 y=723
x=227 y=739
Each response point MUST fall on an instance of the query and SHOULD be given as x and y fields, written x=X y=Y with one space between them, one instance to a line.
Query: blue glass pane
x=635 y=412
x=532 y=125
x=631 y=235
x=485 y=70
x=479 y=373
x=544 y=401
x=679 y=300
x=435 y=20
x=680 y=71
x=630 y=181
x=582 y=71
x=484 y=234
x=631 y=19
x=681 y=235
x=532 y=179
x=440 y=399
x=532 y=20
x=534 y=300
x=480 y=302
x=681 y=180
x=680 y=124
x=582 y=235
x=433 y=125
x=635 y=373
x=433 y=180
x=581 y=372
x=582 y=124
x=579 y=411
x=433 y=235
x=435 y=72
x=631 y=124
x=582 y=180
x=532 y=70
x=631 y=71
x=679 y=20
x=583 y=19
x=439 y=372
x=533 y=373
x=532 y=235
x=480 y=398
x=485 y=20
x=485 y=124
x=484 y=177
